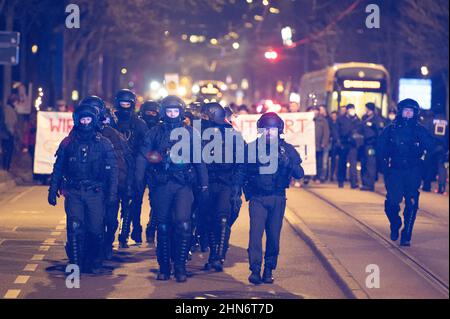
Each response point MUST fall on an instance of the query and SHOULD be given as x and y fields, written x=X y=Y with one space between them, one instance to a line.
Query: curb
x=338 y=272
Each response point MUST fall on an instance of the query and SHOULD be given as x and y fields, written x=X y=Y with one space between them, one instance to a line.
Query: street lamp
x=424 y=70
x=271 y=55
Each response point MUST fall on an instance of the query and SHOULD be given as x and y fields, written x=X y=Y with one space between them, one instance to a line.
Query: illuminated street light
x=124 y=71
x=265 y=2
x=258 y=17
x=195 y=88
x=155 y=85
x=274 y=10
x=213 y=41
x=181 y=91
x=236 y=45
x=424 y=70
x=75 y=95
x=249 y=1
x=286 y=35
x=271 y=55
x=34 y=49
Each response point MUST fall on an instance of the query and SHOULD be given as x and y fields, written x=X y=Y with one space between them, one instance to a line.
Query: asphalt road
x=33 y=261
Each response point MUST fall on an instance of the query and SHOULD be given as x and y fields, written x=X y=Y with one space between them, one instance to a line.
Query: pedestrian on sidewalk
x=8 y=131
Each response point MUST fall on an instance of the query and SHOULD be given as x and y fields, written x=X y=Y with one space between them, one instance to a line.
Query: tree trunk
x=7 y=69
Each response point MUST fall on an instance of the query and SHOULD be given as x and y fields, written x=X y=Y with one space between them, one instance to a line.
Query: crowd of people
x=113 y=154
x=346 y=145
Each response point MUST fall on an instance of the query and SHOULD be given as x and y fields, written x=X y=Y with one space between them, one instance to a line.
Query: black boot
x=409 y=214
x=126 y=224
x=182 y=250
x=394 y=219
x=151 y=229
x=441 y=188
x=255 y=277
x=222 y=236
x=212 y=249
x=136 y=234
x=163 y=251
x=74 y=250
x=267 y=277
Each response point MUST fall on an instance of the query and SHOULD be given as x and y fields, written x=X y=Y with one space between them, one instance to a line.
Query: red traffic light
x=271 y=55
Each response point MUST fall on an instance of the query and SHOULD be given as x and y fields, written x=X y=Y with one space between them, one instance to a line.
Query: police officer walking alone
x=400 y=149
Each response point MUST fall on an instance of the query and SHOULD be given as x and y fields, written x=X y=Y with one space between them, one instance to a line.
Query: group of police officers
x=111 y=156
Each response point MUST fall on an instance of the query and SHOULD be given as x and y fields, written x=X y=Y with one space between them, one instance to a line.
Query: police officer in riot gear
x=171 y=178
x=437 y=126
x=223 y=204
x=85 y=171
x=400 y=149
x=266 y=192
x=133 y=129
x=348 y=143
x=150 y=113
x=125 y=165
x=371 y=127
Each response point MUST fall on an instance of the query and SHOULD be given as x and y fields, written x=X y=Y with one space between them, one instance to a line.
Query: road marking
x=12 y=294
x=49 y=241
x=30 y=267
x=15 y=228
x=38 y=257
x=21 y=280
x=60 y=227
x=44 y=248
x=63 y=221
x=15 y=198
x=2 y=241
x=55 y=233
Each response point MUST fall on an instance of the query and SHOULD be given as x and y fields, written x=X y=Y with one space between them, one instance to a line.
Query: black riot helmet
x=124 y=97
x=215 y=113
x=150 y=112
x=172 y=102
x=97 y=103
x=110 y=118
x=408 y=104
x=85 y=111
x=269 y=120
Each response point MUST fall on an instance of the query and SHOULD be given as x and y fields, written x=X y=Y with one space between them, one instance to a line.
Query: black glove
x=52 y=195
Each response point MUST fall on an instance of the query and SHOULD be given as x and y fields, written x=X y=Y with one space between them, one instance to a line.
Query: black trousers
x=369 y=167
x=172 y=203
x=402 y=184
x=7 y=149
x=112 y=212
x=85 y=211
x=87 y=208
x=434 y=164
x=348 y=154
x=266 y=215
